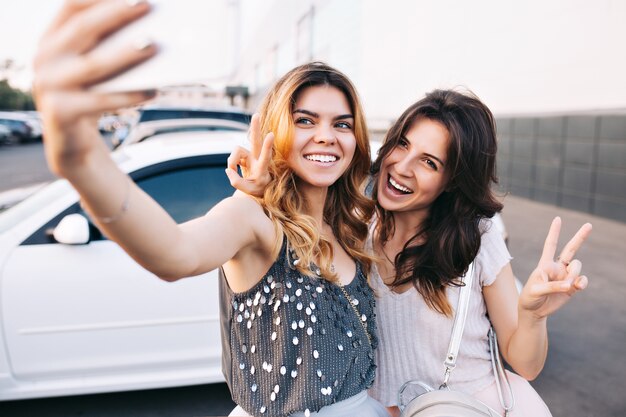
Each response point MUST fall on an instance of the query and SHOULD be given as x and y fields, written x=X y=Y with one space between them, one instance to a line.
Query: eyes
x=403 y=143
x=431 y=164
x=339 y=124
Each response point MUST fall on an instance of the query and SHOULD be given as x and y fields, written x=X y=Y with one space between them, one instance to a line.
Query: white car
x=78 y=315
x=177 y=114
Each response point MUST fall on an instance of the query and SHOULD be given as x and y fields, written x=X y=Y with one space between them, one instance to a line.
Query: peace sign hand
x=254 y=163
x=553 y=282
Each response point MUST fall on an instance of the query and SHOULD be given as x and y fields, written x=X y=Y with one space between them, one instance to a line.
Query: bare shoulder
x=239 y=204
x=242 y=211
x=245 y=215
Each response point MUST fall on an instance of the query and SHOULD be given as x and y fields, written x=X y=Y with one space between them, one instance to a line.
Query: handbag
x=444 y=402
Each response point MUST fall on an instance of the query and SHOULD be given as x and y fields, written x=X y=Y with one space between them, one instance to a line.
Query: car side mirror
x=73 y=229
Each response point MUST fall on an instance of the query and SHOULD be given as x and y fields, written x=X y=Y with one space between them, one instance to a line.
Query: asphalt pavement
x=585 y=369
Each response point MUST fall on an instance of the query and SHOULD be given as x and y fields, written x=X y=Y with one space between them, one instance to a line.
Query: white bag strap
x=459 y=323
x=498 y=371
x=457 y=335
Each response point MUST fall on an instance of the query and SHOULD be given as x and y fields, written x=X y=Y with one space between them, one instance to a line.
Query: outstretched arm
x=521 y=321
x=70 y=61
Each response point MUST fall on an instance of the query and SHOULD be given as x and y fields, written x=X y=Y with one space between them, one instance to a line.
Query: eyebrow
x=427 y=154
x=313 y=114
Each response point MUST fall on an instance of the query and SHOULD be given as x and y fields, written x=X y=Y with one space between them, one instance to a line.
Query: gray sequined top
x=293 y=343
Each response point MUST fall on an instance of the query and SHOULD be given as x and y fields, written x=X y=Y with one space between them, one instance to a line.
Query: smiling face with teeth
x=414 y=173
x=324 y=142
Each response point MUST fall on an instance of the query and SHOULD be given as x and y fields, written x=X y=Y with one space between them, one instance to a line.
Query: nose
x=404 y=166
x=325 y=134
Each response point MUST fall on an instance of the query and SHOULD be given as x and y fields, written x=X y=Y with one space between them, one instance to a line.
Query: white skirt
x=361 y=404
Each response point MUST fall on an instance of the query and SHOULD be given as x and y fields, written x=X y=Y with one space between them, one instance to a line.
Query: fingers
x=572 y=282
x=62 y=62
x=552 y=240
x=89 y=69
x=97 y=65
x=255 y=135
x=235 y=180
x=266 y=153
x=569 y=251
x=573 y=271
x=83 y=30
x=546 y=288
x=581 y=283
x=65 y=107
x=70 y=7
x=237 y=157
x=243 y=184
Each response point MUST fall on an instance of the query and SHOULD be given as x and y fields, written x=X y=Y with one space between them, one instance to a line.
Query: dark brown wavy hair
x=449 y=239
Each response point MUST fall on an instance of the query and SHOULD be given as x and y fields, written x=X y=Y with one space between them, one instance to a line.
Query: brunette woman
x=434 y=199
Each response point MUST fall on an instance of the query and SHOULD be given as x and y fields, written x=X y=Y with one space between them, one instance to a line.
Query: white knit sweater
x=413 y=339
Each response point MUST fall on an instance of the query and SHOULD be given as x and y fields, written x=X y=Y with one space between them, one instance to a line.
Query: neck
x=316 y=199
x=407 y=223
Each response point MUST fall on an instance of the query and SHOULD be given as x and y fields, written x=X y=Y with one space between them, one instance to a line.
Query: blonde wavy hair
x=346 y=209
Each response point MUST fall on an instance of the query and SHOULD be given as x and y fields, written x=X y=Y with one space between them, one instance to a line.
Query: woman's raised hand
x=69 y=61
x=254 y=163
x=554 y=281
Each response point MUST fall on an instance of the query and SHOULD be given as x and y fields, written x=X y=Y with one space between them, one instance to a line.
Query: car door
x=89 y=313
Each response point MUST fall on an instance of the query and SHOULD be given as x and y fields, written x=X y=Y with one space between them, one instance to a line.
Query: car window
x=186 y=188
x=188 y=193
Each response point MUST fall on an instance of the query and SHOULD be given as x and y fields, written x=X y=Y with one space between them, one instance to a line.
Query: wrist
x=531 y=319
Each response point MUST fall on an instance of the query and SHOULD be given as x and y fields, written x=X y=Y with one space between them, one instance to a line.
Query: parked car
x=155 y=128
x=153 y=113
x=79 y=315
x=109 y=123
x=24 y=128
x=6 y=136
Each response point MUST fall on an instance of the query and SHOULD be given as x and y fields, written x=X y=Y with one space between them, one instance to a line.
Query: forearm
x=127 y=215
x=528 y=346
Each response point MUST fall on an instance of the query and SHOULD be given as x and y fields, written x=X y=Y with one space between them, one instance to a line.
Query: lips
x=323 y=158
x=395 y=185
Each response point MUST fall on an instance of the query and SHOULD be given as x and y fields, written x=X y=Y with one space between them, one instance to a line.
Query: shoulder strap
x=455 y=344
x=459 y=323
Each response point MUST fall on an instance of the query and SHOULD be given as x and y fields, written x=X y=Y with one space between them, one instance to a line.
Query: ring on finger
x=564 y=262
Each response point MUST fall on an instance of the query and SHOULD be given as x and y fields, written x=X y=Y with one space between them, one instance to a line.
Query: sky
x=21 y=25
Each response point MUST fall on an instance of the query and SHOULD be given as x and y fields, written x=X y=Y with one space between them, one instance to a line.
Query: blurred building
x=552 y=73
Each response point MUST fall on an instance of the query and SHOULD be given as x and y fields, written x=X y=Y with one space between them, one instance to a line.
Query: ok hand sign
x=553 y=282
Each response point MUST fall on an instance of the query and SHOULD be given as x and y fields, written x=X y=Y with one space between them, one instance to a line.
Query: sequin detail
x=298 y=331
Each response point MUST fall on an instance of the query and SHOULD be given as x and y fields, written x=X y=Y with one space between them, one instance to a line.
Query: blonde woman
x=298 y=313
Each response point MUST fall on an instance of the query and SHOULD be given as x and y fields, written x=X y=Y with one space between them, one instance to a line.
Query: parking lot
x=584 y=371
